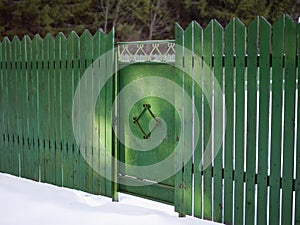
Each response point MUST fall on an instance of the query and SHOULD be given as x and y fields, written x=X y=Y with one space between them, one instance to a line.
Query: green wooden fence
x=254 y=177
x=38 y=81
x=255 y=174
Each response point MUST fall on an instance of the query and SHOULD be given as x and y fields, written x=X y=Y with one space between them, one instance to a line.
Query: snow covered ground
x=25 y=202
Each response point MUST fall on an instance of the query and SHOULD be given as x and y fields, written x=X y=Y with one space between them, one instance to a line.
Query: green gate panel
x=140 y=118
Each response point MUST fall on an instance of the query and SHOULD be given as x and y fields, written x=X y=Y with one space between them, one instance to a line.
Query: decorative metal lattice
x=136 y=121
x=147 y=51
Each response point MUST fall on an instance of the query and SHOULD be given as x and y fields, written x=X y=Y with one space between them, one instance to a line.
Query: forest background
x=133 y=19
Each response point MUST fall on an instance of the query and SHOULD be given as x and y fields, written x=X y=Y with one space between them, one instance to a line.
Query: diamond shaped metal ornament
x=146 y=108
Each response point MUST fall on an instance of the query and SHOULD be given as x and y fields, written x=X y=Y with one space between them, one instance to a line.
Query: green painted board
x=67 y=96
x=218 y=120
x=5 y=44
x=198 y=106
x=240 y=49
x=97 y=40
x=10 y=127
x=263 y=129
x=251 y=120
x=51 y=117
x=36 y=54
x=188 y=118
x=86 y=51
x=45 y=109
x=101 y=114
x=2 y=120
x=18 y=106
x=108 y=114
x=58 y=108
x=28 y=138
x=28 y=101
x=5 y=103
x=77 y=160
x=207 y=76
x=178 y=198
x=229 y=97
x=277 y=66
x=297 y=203
x=13 y=104
x=115 y=154
x=25 y=159
x=289 y=120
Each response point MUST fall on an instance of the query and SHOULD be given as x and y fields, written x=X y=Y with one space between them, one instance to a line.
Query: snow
x=25 y=202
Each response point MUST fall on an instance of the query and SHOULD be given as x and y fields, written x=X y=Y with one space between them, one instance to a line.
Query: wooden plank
x=57 y=109
x=218 y=120
x=5 y=45
x=96 y=143
x=15 y=44
x=29 y=101
x=86 y=50
x=64 y=88
x=115 y=153
x=178 y=198
x=2 y=119
x=263 y=129
x=45 y=110
x=78 y=160
x=240 y=50
x=68 y=90
x=85 y=56
x=207 y=76
x=251 y=120
x=102 y=111
x=10 y=127
x=277 y=67
x=188 y=128
x=108 y=114
x=198 y=48
x=229 y=97
x=297 y=203
x=19 y=93
x=26 y=160
x=289 y=120
x=36 y=54
x=51 y=115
